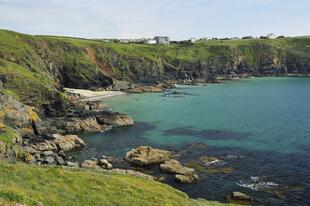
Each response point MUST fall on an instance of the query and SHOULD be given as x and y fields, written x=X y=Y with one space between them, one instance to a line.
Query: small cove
x=259 y=128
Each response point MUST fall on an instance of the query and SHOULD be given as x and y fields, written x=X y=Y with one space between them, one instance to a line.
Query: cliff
x=35 y=68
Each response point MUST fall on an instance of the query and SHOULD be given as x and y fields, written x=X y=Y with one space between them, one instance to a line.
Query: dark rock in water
x=209 y=160
x=145 y=155
x=206 y=134
x=196 y=146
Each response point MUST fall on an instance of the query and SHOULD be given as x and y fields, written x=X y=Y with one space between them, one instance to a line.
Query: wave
x=257 y=183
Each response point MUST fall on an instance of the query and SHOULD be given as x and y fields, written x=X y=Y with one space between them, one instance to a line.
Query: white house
x=150 y=41
x=193 y=40
x=271 y=36
x=162 y=39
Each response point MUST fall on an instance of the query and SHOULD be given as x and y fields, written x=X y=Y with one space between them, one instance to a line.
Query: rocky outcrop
x=131 y=172
x=182 y=174
x=186 y=179
x=68 y=142
x=146 y=89
x=145 y=155
x=240 y=198
x=52 y=150
x=78 y=125
x=97 y=164
x=115 y=119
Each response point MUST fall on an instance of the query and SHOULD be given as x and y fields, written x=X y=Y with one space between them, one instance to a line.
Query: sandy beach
x=92 y=95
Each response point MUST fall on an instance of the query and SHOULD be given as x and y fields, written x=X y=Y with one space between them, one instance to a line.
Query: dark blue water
x=258 y=128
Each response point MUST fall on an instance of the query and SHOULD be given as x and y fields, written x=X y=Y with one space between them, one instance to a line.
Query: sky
x=179 y=19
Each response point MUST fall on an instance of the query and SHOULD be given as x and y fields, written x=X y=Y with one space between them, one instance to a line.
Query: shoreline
x=89 y=95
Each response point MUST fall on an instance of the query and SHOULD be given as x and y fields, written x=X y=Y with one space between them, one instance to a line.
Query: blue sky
x=179 y=19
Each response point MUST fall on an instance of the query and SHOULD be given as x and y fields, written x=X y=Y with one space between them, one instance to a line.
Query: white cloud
x=139 y=18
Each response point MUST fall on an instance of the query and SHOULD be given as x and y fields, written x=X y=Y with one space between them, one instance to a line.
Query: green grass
x=7 y=135
x=36 y=63
x=30 y=86
x=29 y=185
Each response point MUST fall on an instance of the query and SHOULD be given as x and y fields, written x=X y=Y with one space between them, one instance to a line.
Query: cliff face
x=257 y=59
x=35 y=68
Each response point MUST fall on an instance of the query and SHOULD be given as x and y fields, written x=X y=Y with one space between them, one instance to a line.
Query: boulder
x=240 y=197
x=76 y=125
x=145 y=155
x=183 y=174
x=186 y=179
x=72 y=164
x=68 y=142
x=105 y=164
x=60 y=160
x=90 y=164
x=45 y=146
x=30 y=150
x=48 y=153
x=175 y=167
x=49 y=160
x=115 y=119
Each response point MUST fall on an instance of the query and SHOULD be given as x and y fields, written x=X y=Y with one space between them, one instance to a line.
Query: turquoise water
x=273 y=112
x=266 y=121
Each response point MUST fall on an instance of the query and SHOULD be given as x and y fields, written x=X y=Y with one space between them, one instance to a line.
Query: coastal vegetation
x=39 y=185
x=34 y=107
x=36 y=67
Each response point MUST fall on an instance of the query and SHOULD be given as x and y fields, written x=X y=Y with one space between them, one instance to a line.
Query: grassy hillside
x=30 y=185
x=34 y=68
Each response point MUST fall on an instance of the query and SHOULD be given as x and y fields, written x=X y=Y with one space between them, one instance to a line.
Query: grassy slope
x=27 y=184
x=25 y=59
x=198 y=51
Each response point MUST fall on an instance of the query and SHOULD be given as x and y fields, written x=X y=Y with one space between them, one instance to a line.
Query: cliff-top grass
x=32 y=185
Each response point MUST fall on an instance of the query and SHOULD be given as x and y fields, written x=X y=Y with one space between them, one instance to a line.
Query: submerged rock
x=145 y=155
x=209 y=160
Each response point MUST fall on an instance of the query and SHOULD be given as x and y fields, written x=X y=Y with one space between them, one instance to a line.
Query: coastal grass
x=30 y=185
x=24 y=84
x=7 y=135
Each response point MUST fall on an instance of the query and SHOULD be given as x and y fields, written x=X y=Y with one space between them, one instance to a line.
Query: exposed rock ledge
x=131 y=172
x=52 y=151
x=145 y=155
x=182 y=174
